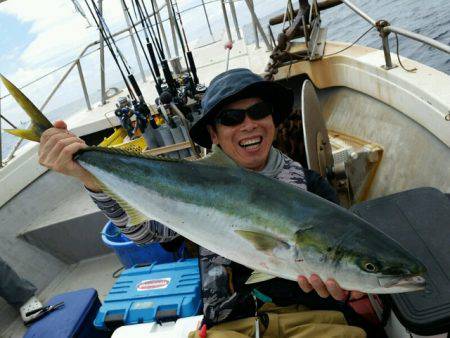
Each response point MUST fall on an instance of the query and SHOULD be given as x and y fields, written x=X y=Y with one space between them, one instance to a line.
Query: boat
x=371 y=121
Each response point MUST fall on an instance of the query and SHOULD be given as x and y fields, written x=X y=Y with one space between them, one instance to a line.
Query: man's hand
x=58 y=145
x=329 y=288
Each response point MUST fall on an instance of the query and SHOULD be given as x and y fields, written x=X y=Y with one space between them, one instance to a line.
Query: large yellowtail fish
x=267 y=225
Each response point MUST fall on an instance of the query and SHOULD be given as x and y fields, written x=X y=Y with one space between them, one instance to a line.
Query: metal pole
x=172 y=27
x=207 y=19
x=418 y=37
x=385 y=42
x=163 y=33
x=255 y=28
x=236 y=24
x=225 y=16
x=359 y=12
x=102 y=59
x=387 y=53
x=83 y=85
x=133 y=42
x=258 y=24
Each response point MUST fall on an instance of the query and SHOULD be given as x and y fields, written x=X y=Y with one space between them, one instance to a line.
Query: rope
x=367 y=31
x=412 y=70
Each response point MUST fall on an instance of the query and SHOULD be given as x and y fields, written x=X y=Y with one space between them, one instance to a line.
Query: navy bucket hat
x=237 y=84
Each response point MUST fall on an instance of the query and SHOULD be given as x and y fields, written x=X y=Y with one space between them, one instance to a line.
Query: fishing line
x=352 y=43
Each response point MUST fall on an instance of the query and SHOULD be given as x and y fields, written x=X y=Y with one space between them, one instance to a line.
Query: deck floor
x=90 y=273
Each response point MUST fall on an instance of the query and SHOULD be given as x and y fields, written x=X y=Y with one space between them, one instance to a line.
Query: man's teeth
x=250 y=142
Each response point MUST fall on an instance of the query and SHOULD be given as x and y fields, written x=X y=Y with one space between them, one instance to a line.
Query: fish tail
x=39 y=123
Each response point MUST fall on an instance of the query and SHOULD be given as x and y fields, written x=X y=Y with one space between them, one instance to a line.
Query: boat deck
x=91 y=273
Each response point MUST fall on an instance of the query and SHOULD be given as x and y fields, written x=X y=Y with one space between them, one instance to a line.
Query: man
x=240 y=115
x=18 y=292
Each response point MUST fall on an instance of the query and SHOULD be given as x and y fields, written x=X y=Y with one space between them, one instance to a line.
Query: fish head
x=361 y=258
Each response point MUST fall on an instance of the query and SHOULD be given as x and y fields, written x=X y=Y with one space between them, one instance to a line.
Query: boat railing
x=131 y=34
x=385 y=29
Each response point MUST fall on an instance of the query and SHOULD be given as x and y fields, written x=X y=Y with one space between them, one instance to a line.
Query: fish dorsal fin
x=127 y=152
x=134 y=216
x=258 y=276
x=217 y=158
x=262 y=241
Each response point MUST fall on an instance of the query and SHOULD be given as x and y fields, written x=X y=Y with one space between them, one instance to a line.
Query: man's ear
x=213 y=134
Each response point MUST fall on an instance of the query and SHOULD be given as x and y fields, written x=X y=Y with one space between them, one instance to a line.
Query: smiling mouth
x=251 y=143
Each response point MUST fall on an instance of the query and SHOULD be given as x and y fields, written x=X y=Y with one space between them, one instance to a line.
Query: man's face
x=249 y=142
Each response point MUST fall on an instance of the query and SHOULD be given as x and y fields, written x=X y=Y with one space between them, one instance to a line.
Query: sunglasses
x=233 y=117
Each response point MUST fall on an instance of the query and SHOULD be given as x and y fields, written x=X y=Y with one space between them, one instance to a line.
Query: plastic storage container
x=158 y=292
x=130 y=253
x=419 y=220
x=74 y=319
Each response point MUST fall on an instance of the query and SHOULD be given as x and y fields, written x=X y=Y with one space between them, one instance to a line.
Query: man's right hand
x=58 y=145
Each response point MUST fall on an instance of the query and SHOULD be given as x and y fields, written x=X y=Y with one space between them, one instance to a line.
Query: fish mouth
x=403 y=283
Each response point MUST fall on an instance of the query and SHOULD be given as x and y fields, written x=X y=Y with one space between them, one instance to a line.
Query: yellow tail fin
x=39 y=122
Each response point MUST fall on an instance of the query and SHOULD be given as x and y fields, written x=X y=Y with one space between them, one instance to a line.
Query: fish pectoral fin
x=262 y=241
x=134 y=216
x=258 y=276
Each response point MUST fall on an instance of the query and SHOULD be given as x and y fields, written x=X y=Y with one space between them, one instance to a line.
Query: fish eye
x=370 y=267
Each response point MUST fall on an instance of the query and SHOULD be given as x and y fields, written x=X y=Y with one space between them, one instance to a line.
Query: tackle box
x=419 y=220
x=74 y=319
x=152 y=293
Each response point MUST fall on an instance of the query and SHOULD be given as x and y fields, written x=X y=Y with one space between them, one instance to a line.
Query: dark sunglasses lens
x=231 y=117
x=259 y=111
x=234 y=117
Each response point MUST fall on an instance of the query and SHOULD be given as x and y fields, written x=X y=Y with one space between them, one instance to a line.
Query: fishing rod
x=171 y=84
x=177 y=28
x=157 y=84
x=99 y=25
x=156 y=40
x=189 y=53
x=123 y=112
x=145 y=28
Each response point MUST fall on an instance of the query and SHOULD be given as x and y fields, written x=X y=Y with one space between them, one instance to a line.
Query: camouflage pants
x=288 y=322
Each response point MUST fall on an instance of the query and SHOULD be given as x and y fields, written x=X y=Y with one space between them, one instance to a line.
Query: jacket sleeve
x=320 y=186
x=147 y=232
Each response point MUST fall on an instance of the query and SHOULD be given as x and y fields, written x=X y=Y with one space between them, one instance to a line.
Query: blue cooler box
x=157 y=292
x=74 y=319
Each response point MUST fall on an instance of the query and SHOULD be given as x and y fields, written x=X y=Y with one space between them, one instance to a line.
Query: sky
x=37 y=37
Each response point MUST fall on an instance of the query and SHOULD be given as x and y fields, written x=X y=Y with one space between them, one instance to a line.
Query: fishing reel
x=125 y=111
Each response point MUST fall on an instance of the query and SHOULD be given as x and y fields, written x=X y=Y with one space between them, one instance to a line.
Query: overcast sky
x=37 y=36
